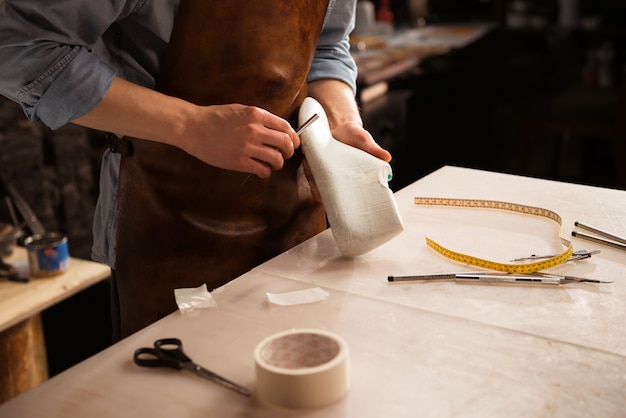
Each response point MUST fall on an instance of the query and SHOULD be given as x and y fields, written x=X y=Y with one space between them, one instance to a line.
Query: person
x=199 y=95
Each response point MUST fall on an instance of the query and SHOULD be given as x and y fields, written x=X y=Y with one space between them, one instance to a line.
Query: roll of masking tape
x=302 y=368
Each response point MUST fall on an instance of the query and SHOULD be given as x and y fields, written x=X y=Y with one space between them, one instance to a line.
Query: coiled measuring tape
x=495 y=204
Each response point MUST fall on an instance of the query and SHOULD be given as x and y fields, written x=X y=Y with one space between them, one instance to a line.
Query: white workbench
x=416 y=349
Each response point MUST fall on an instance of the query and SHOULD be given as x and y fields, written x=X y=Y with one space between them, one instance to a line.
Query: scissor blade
x=207 y=374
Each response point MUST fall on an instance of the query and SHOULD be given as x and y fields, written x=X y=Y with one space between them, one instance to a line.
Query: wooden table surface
x=19 y=301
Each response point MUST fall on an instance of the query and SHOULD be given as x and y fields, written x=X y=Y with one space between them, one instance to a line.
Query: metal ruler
x=495 y=204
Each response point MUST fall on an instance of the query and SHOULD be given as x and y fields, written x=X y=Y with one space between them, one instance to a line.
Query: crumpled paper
x=190 y=299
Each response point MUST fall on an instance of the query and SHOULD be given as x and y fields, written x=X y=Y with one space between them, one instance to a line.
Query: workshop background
x=536 y=96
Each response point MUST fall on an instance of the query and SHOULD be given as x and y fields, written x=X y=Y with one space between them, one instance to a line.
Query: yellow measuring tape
x=495 y=204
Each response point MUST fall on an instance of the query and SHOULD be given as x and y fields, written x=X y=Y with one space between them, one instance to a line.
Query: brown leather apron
x=182 y=223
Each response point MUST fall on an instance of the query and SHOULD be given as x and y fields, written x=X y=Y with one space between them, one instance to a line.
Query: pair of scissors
x=168 y=352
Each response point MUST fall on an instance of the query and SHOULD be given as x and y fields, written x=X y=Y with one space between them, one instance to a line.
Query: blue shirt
x=58 y=60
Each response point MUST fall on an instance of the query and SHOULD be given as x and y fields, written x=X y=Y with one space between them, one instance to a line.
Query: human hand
x=353 y=134
x=233 y=136
x=240 y=138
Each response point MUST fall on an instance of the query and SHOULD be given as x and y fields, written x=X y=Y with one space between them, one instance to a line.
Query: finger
x=283 y=143
x=277 y=140
x=281 y=126
x=270 y=156
x=260 y=169
x=358 y=137
x=378 y=152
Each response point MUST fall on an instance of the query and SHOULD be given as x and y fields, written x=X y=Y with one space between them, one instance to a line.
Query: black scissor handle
x=149 y=357
x=167 y=352
x=171 y=348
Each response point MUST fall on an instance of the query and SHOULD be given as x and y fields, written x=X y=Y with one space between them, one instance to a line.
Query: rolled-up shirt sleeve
x=332 y=56
x=69 y=89
x=46 y=59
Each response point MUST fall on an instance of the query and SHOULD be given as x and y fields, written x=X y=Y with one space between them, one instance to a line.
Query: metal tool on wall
x=47 y=251
x=27 y=213
x=11 y=233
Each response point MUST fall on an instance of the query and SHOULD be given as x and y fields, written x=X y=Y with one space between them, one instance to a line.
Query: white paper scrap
x=189 y=299
x=298 y=297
